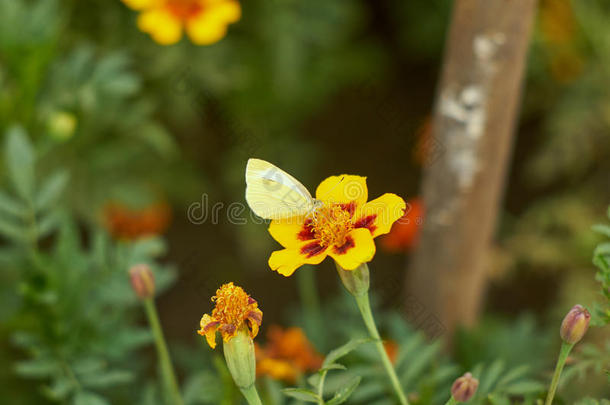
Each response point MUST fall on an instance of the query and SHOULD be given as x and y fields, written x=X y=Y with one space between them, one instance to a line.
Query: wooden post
x=474 y=120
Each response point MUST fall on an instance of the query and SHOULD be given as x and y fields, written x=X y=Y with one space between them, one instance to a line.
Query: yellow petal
x=379 y=214
x=225 y=11
x=287 y=261
x=205 y=29
x=208 y=329
x=291 y=232
x=358 y=248
x=162 y=26
x=343 y=189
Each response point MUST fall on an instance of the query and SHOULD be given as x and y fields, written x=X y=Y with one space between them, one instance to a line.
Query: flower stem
x=251 y=395
x=165 y=361
x=561 y=360
x=451 y=401
x=367 y=315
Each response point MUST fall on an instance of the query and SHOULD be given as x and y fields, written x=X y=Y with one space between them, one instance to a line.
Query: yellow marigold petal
x=358 y=248
x=379 y=214
x=162 y=26
x=255 y=320
x=287 y=261
x=225 y=11
x=343 y=189
x=206 y=30
x=141 y=4
x=208 y=329
x=290 y=232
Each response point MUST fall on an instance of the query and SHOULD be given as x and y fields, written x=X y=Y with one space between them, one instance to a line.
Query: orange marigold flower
x=127 y=223
x=287 y=355
x=405 y=232
x=342 y=226
x=234 y=310
x=205 y=21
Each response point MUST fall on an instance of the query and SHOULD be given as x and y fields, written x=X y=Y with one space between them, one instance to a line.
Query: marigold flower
x=343 y=226
x=287 y=355
x=235 y=310
x=127 y=223
x=405 y=232
x=205 y=21
x=142 y=281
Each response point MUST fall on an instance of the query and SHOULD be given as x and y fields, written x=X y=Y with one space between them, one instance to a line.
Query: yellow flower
x=205 y=21
x=234 y=310
x=343 y=226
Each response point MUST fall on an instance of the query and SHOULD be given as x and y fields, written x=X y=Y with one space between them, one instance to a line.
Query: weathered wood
x=474 y=120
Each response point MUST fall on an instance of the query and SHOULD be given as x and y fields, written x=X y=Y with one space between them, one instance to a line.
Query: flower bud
x=62 y=125
x=355 y=281
x=142 y=281
x=575 y=324
x=464 y=388
x=241 y=361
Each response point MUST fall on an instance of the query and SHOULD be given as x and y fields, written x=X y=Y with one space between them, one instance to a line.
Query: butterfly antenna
x=334 y=187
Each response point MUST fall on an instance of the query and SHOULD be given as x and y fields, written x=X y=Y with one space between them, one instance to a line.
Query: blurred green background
x=147 y=139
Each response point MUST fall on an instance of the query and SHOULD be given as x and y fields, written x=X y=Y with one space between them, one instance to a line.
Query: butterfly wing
x=274 y=194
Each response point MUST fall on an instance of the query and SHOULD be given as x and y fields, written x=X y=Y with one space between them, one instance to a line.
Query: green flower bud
x=239 y=354
x=62 y=125
x=142 y=281
x=464 y=388
x=575 y=324
x=356 y=281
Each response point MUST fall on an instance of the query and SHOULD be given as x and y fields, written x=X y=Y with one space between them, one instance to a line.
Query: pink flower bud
x=575 y=324
x=142 y=281
x=464 y=388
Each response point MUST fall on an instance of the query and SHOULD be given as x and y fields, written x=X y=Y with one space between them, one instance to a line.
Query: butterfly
x=274 y=194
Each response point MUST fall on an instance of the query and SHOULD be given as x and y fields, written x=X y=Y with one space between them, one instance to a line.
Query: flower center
x=184 y=9
x=331 y=223
x=232 y=305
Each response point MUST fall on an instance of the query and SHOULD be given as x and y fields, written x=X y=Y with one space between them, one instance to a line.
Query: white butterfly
x=274 y=194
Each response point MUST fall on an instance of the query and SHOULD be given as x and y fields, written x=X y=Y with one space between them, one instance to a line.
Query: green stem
x=451 y=401
x=251 y=395
x=165 y=361
x=561 y=360
x=321 y=387
x=367 y=315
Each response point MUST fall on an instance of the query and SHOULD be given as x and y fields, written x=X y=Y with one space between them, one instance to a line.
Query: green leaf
x=107 y=379
x=341 y=351
x=51 y=190
x=37 y=368
x=343 y=395
x=89 y=398
x=19 y=157
x=11 y=206
x=302 y=394
x=12 y=231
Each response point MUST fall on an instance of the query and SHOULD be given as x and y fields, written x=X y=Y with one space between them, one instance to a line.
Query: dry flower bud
x=142 y=281
x=575 y=324
x=464 y=388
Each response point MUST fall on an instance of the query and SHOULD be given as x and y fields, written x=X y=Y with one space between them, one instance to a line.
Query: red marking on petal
x=251 y=301
x=350 y=207
x=228 y=328
x=306 y=232
x=367 y=222
x=255 y=316
x=347 y=245
x=210 y=326
x=312 y=249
